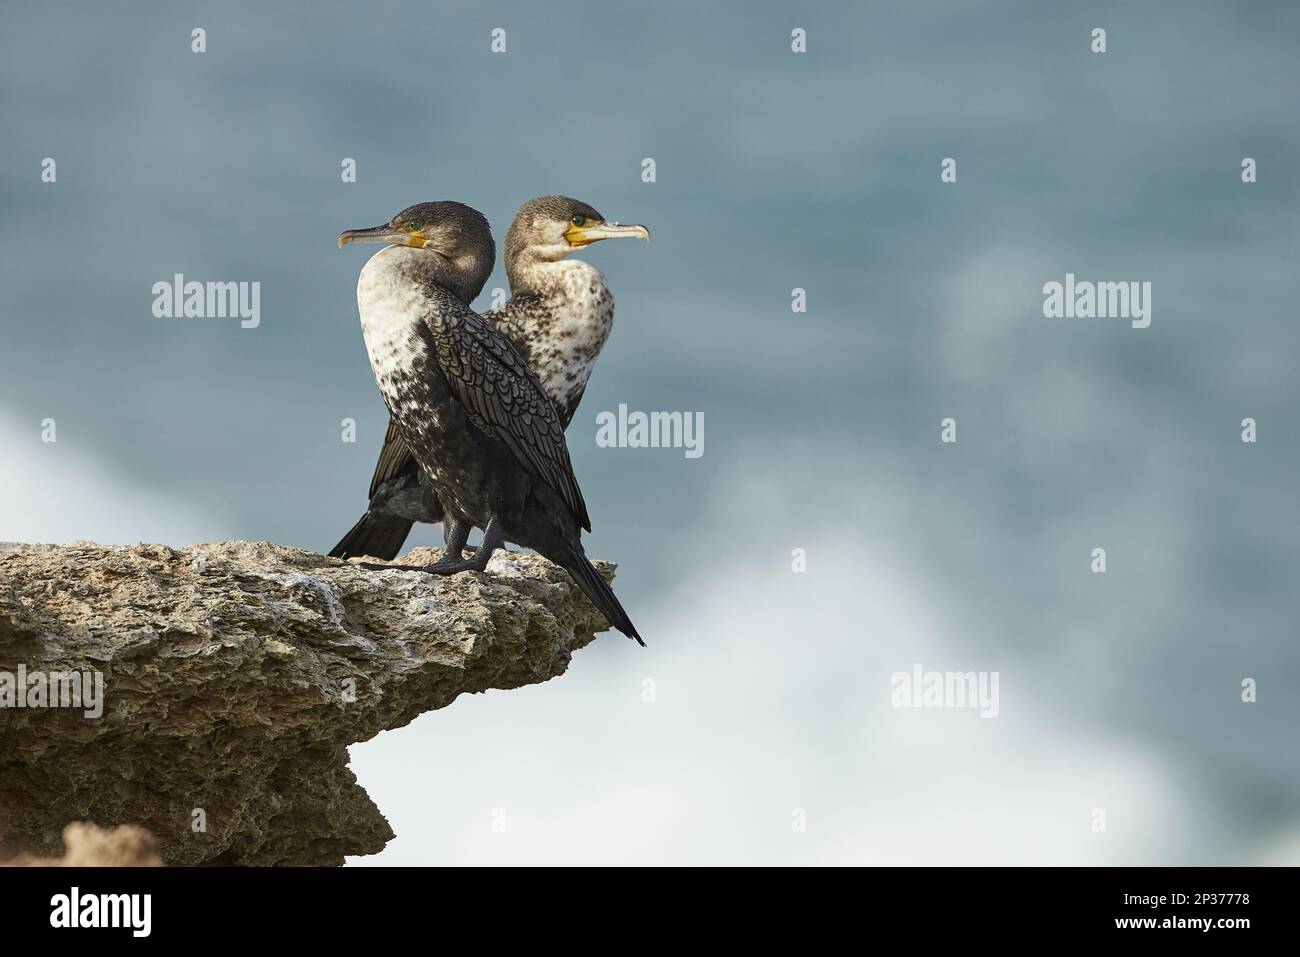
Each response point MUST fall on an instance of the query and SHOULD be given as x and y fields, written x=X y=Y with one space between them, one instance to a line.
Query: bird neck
x=463 y=277
x=543 y=277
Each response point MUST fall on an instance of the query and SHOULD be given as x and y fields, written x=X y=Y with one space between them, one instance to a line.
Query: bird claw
x=452 y=568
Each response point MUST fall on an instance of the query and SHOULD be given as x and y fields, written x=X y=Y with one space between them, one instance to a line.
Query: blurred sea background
x=775 y=171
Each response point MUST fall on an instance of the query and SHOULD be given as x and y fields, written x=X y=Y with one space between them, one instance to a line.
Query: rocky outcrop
x=232 y=678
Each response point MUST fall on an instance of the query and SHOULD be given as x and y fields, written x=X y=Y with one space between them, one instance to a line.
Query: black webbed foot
x=451 y=561
x=448 y=564
x=482 y=554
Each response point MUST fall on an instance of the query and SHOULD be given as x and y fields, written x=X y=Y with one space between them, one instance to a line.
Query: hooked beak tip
x=630 y=231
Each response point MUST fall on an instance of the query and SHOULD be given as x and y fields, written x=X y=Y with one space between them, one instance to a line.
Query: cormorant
x=558 y=317
x=464 y=403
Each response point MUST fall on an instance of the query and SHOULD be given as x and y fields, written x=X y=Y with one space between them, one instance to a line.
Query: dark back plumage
x=503 y=398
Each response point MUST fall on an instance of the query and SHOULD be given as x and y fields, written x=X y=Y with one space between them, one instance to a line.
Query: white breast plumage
x=583 y=313
x=391 y=309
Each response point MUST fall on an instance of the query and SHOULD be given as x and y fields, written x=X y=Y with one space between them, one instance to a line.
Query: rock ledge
x=234 y=677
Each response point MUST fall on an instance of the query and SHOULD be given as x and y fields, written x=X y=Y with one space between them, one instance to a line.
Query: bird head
x=548 y=228
x=456 y=234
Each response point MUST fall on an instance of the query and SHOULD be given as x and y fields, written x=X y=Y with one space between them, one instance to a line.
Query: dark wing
x=503 y=399
x=394 y=460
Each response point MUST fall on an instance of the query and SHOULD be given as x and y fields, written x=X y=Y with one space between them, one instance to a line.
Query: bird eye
x=413 y=224
x=578 y=220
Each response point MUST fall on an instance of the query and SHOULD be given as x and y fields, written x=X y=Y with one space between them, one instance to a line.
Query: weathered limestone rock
x=235 y=675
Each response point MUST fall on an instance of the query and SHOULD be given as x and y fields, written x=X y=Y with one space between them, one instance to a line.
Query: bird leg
x=452 y=561
x=491 y=542
x=456 y=532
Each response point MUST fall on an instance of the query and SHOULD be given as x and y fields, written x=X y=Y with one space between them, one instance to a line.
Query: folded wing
x=504 y=400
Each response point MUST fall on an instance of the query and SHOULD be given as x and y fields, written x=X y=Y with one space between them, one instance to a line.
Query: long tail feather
x=602 y=596
x=376 y=535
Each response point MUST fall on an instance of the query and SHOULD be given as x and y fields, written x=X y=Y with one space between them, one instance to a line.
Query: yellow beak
x=387 y=234
x=588 y=233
